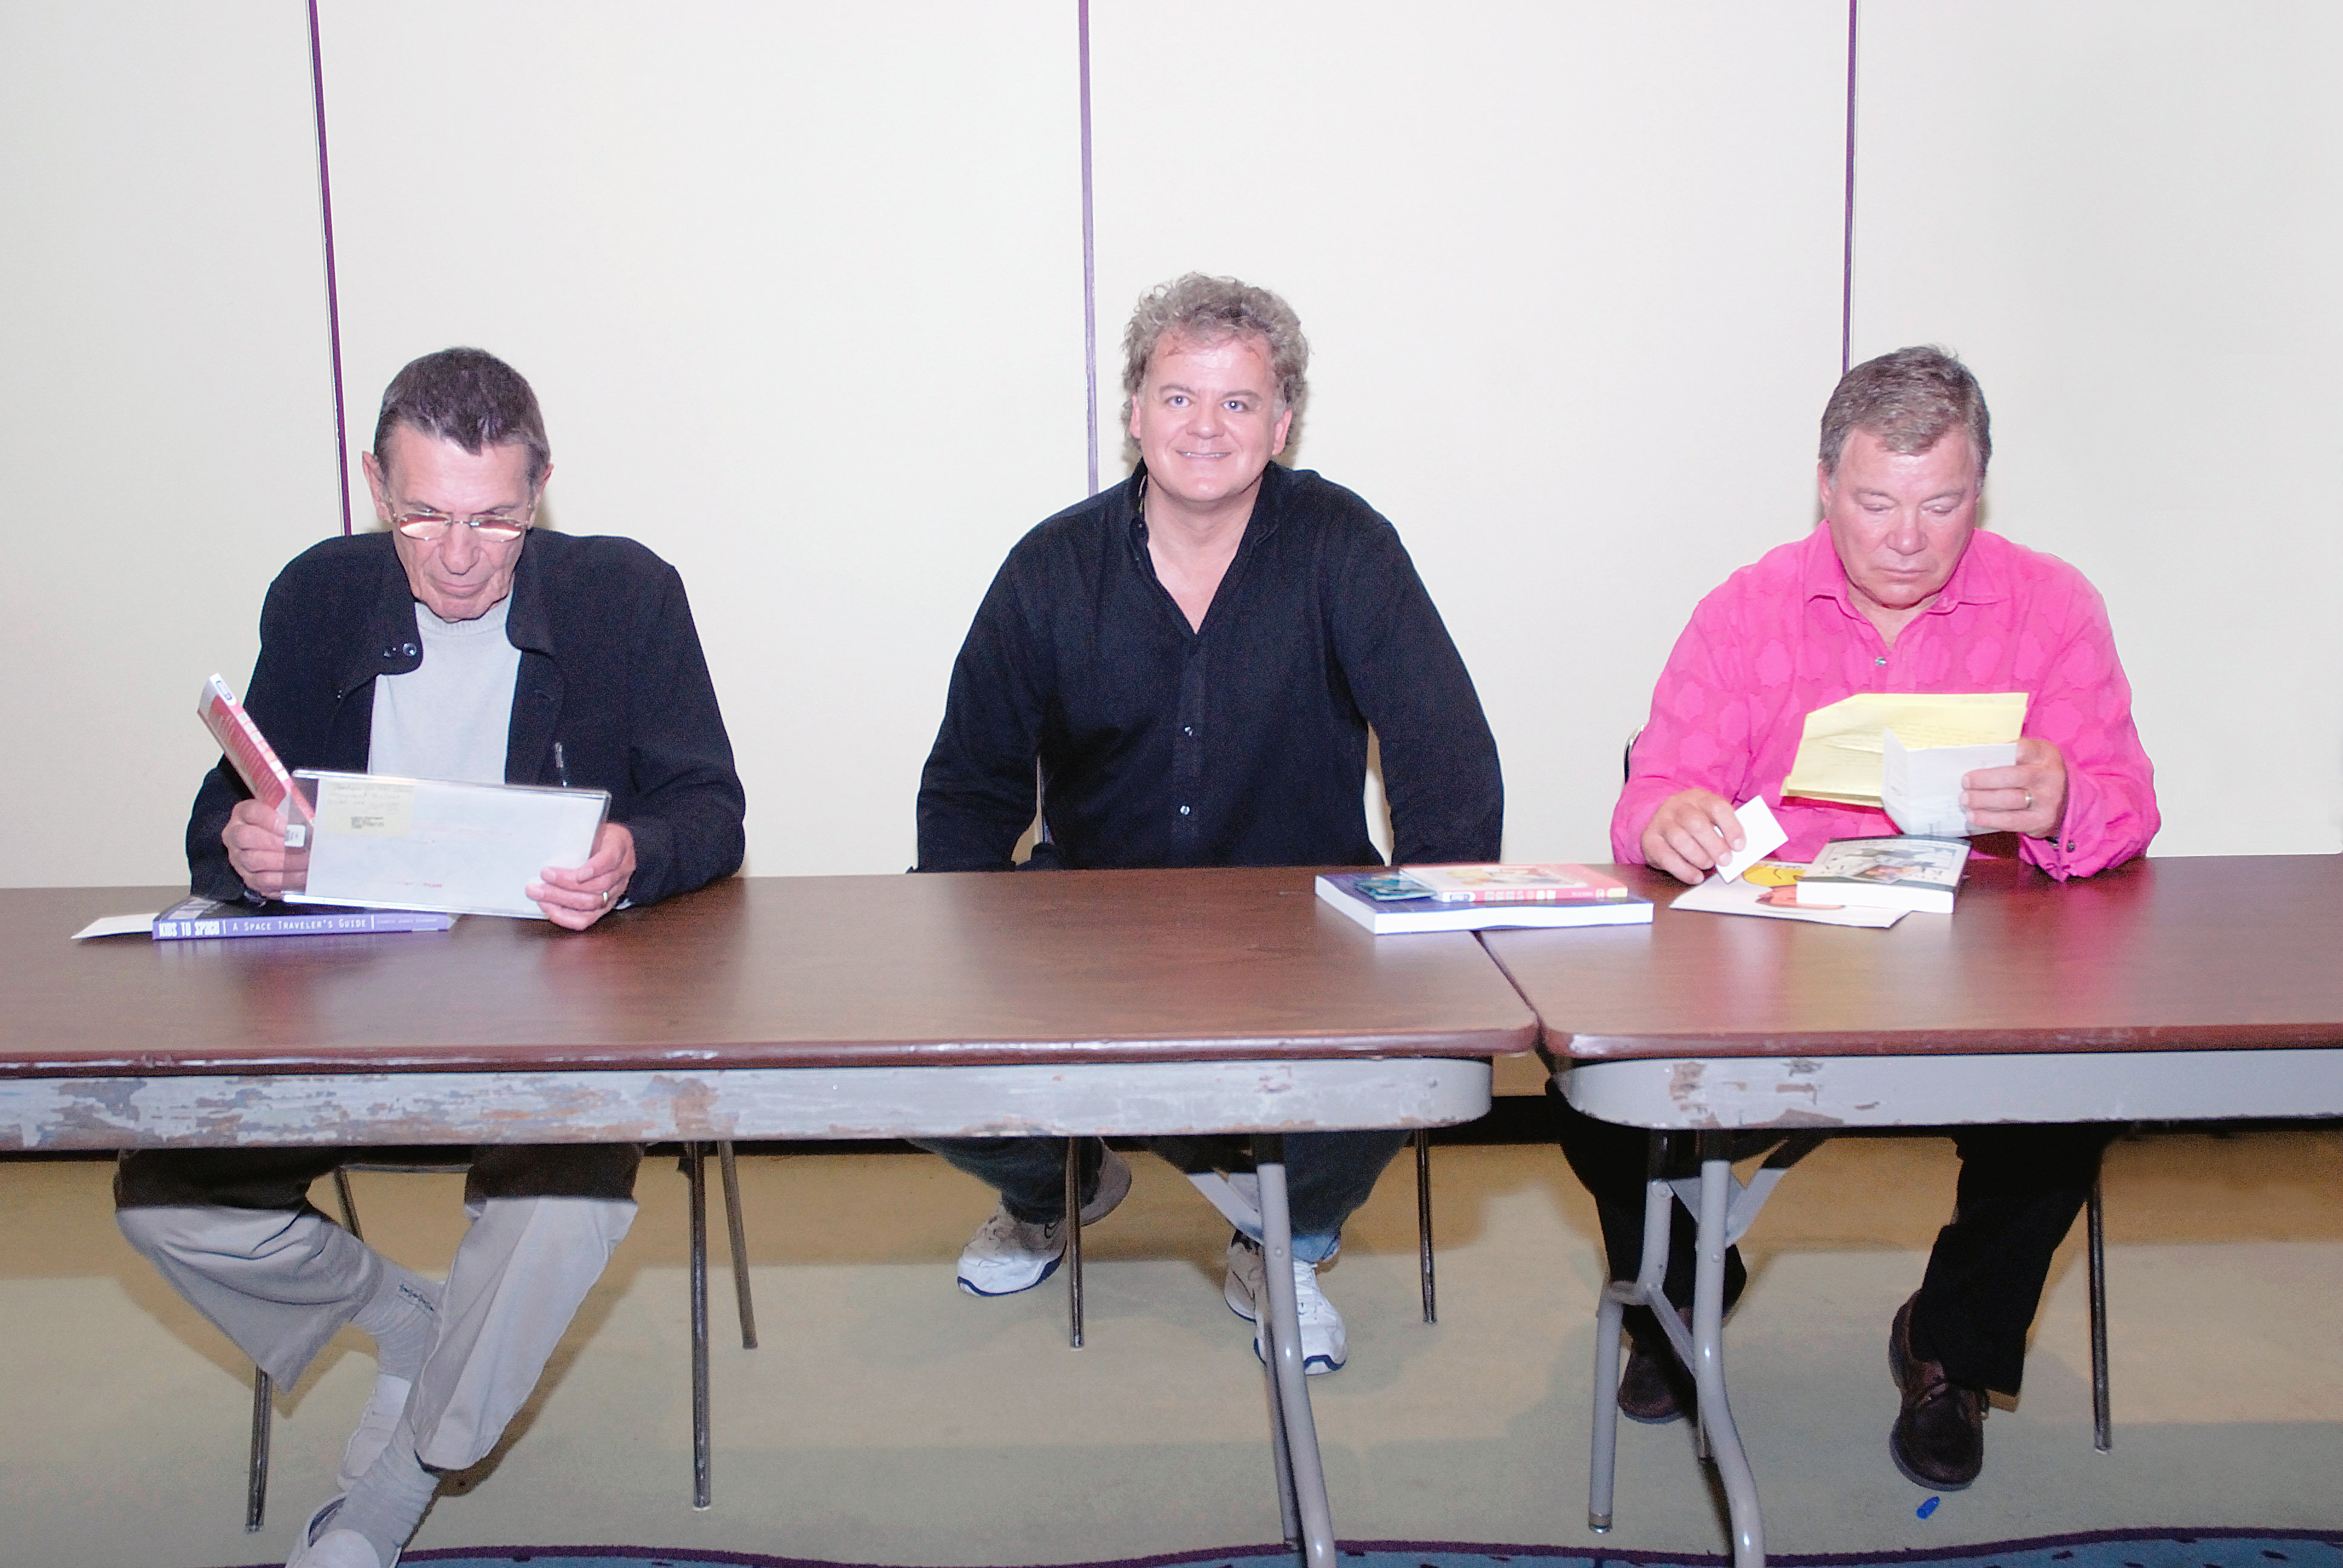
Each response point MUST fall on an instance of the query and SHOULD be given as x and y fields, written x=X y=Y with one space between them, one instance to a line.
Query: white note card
x=1763 y=834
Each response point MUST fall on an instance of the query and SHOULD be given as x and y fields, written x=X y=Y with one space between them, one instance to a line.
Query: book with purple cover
x=194 y=918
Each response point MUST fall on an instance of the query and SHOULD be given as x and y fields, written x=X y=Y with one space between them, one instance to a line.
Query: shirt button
x=1881 y=659
x=1183 y=810
x=1187 y=730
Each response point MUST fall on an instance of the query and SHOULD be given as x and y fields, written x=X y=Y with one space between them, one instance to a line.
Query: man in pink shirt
x=1895 y=591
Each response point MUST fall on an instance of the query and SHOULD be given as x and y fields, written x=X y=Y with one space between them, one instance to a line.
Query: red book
x=255 y=760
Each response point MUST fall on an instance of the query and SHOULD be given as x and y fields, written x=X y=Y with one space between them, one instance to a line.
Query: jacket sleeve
x=686 y=806
x=977 y=791
x=1440 y=764
x=2082 y=705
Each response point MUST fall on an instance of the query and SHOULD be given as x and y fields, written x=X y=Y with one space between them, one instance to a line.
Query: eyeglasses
x=430 y=526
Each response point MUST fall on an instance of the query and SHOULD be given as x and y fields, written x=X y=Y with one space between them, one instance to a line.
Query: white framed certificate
x=388 y=843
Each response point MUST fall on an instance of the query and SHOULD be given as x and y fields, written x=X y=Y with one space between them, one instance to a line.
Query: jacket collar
x=393 y=645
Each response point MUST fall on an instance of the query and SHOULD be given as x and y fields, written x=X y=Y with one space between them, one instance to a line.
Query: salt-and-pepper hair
x=468 y=396
x=1209 y=311
x=1908 y=400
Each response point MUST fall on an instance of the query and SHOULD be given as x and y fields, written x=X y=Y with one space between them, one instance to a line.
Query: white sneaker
x=1324 y=1345
x=1007 y=1254
x=319 y=1545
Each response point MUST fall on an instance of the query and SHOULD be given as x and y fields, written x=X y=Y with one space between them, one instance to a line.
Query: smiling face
x=1207 y=421
x=459 y=575
x=1900 y=522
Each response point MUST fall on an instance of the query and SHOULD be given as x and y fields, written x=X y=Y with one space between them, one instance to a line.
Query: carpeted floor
x=2096 y=1549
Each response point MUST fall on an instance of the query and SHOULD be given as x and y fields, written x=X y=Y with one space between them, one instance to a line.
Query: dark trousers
x=2020 y=1189
x=1328 y=1174
x=280 y=1178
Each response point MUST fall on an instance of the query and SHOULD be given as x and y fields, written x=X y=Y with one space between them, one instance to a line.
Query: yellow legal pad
x=1839 y=754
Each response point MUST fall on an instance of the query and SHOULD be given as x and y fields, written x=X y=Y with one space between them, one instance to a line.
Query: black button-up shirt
x=1241 y=744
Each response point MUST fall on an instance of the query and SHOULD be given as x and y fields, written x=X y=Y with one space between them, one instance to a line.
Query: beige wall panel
x=2126 y=217
x=802 y=295
x=1571 y=274
x=165 y=413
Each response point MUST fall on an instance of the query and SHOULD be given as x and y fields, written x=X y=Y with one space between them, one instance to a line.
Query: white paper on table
x=1920 y=786
x=1763 y=836
x=389 y=843
x=1718 y=897
x=118 y=925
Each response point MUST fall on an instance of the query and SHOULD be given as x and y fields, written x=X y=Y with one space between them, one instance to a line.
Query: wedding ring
x=2029 y=806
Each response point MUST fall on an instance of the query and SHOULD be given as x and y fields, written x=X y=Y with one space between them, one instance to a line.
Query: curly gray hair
x=1211 y=310
x=1908 y=400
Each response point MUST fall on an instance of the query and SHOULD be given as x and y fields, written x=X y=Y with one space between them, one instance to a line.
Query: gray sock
x=403 y=1316
x=388 y=1502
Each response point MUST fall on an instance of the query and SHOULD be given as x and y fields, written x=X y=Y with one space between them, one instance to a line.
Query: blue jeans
x=1327 y=1175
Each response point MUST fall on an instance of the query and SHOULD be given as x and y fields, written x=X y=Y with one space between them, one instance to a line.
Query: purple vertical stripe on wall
x=333 y=287
x=1089 y=246
x=1846 y=250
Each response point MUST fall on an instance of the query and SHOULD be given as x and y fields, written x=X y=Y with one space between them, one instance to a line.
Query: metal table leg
x=1708 y=1355
x=1294 y=1429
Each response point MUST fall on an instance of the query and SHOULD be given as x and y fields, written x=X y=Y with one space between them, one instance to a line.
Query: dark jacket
x=610 y=669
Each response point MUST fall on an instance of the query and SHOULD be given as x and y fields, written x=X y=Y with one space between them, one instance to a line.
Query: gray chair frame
x=255 y=1494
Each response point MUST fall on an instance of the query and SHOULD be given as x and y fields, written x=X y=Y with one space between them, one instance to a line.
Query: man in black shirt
x=1194 y=659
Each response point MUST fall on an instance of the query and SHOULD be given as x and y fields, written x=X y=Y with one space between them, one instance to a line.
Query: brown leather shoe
x=1938 y=1440
x=1654 y=1389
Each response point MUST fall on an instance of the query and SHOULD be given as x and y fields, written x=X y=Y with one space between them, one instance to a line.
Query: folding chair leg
x=695 y=1167
x=349 y=1204
x=1074 y=1243
x=1424 y=1222
x=255 y=1479
x=739 y=1235
x=2095 y=1230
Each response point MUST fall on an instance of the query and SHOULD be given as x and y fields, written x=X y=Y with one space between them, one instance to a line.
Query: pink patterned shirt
x=1782 y=638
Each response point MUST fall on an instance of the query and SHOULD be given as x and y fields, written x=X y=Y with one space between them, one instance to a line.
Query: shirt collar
x=1258 y=526
x=1981 y=577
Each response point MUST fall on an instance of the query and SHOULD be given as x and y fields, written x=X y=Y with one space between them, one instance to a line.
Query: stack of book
x=1410 y=899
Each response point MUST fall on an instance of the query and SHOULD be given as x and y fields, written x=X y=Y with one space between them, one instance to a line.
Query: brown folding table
x=1059 y=1003
x=2179 y=989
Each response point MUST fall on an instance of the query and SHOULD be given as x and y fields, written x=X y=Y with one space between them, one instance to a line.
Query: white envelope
x=388 y=843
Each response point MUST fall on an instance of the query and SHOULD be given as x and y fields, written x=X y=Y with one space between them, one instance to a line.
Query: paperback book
x=205 y=918
x=1549 y=881
x=1901 y=872
x=1381 y=902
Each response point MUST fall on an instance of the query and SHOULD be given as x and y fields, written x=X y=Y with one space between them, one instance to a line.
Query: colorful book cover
x=1351 y=893
x=1491 y=884
x=1903 y=871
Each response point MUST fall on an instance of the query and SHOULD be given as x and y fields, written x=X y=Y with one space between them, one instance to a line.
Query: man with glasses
x=456 y=643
